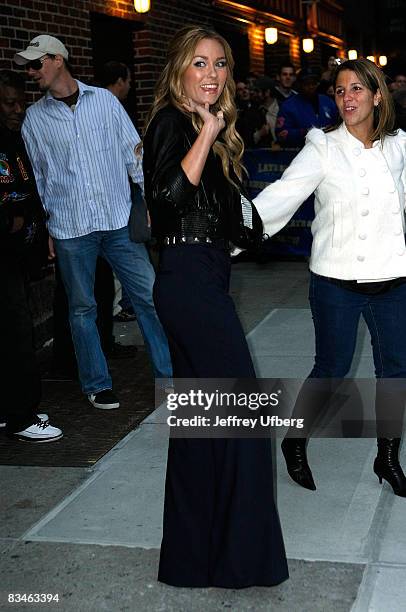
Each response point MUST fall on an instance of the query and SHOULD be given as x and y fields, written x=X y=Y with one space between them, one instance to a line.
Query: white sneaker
x=40 y=431
x=42 y=417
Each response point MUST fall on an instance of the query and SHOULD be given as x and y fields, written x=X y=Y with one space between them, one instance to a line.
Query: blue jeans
x=125 y=301
x=336 y=313
x=130 y=262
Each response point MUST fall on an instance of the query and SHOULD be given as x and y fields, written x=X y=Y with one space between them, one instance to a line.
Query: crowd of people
x=278 y=110
x=67 y=162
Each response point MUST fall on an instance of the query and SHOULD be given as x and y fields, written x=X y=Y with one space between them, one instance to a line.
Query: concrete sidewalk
x=92 y=536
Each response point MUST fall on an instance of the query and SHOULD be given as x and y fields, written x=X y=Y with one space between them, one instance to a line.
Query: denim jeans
x=336 y=313
x=130 y=262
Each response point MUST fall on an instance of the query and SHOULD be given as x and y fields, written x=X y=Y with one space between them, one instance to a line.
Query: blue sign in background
x=265 y=166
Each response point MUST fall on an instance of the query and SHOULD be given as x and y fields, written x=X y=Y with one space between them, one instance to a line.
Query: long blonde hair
x=169 y=90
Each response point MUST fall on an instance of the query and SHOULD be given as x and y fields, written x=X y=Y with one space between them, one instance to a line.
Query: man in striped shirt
x=81 y=144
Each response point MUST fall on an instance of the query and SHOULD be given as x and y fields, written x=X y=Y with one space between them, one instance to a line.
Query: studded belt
x=219 y=243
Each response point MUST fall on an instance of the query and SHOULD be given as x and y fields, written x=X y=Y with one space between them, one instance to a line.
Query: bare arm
x=194 y=161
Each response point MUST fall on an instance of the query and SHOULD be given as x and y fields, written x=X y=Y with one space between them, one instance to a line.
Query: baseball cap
x=40 y=46
x=309 y=73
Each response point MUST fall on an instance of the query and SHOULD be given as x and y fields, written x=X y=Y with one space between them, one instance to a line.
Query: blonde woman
x=220 y=523
x=358 y=259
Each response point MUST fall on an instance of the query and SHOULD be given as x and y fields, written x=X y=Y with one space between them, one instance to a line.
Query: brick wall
x=23 y=19
x=277 y=54
x=294 y=48
x=256 y=45
x=151 y=42
x=70 y=21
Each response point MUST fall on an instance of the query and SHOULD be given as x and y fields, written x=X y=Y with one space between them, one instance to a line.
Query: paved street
x=92 y=534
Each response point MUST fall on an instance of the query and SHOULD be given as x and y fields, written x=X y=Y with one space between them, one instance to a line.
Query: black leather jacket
x=177 y=207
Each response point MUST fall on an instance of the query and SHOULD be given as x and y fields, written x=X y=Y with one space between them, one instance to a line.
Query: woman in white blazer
x=358 y=261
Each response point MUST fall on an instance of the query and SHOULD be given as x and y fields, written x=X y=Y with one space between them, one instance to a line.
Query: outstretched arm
x=278 y=202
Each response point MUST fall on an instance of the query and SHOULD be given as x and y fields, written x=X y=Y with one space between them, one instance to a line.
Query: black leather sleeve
x=164 y=148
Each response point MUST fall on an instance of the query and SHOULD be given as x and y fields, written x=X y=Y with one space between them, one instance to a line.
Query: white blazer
x=359 y=225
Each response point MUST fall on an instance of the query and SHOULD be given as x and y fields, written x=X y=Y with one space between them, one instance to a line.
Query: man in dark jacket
x=21 y=218
x=308 y=109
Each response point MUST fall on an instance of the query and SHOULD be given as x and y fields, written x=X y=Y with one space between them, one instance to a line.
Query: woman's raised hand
x=212 y=124
x=195 y=159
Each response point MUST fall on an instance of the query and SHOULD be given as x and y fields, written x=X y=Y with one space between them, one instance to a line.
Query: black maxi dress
x=220 y=525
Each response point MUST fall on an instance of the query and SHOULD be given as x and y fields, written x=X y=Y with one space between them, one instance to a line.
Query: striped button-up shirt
x=82 y=160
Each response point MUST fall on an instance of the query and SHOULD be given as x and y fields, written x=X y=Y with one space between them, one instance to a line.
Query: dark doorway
x=275 y=55
x=112 y=39
x=238 y=42
x=326 y=52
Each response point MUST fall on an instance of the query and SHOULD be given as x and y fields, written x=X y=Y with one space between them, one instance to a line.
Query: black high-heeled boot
x=294 y=451
x=387 y=466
